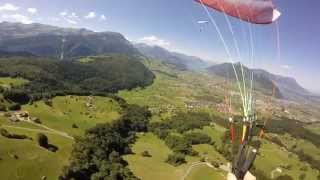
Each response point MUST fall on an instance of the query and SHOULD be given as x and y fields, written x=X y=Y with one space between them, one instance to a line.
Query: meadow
x=35 y=162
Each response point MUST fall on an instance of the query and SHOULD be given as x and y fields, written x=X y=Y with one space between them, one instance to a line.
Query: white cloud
x=73 y=15
x=103 y=17
x=18 y=18
x=32 y=10
x=39 y=19
x=70 y=21
x=285 y=66
x=90 y=15
x=8 y=7
x=155 y=41
x=63 y=13
x=54 y=19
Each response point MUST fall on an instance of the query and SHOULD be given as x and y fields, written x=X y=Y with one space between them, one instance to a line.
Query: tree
x=179 y=144
x=4 y=132
x=284 y=177
x=195 y=138
x=183 y=122
x=14 y=107
x=302 y=176
x=74 y=126
x=3 y=107
x=176 y=159
x=160 y=129
x=42 y=140
x=146 y=154
x=48 y=102
x=18 y=96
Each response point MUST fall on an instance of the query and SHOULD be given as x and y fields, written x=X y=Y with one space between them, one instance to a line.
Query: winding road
x=47 y=129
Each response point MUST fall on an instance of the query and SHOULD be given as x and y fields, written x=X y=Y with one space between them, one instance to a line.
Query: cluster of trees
x=297 y=130
x=97 y=155
x=9 y=135
x=181 y=122
x=181 y=144
x=49 y=78
x=197 y=138
x=294 y=128
x=42 y=140
x=315 y=164
x=176 y=159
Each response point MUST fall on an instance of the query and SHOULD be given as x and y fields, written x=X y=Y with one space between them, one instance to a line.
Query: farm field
x=33 y=161
x=25 y=159
x=8 y=82
x=67 y=111
x=272 y=156
x=156 y=168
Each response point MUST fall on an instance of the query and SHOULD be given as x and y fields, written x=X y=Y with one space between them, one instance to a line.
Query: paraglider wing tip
x=276 y=15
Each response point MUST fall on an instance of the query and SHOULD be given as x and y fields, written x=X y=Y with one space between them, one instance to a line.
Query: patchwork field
x=174 y=91
x=24 y=159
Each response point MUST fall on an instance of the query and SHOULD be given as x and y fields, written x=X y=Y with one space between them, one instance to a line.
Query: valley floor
x=172 y=91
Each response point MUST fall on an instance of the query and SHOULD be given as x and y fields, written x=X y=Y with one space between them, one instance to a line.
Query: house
x=13 y=118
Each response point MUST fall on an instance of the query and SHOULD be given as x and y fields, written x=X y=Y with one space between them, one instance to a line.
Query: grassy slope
x=306 y=146
x=204 y=173
x=273 y=156
x=315 y=128
x=35 y=162
x=69 y=110
x=9 y=82
x=155 y=167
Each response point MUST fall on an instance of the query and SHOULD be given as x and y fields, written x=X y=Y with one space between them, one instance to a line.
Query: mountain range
x=62 y=43
x=285 y=87
x=179 y=60
x=68 y=43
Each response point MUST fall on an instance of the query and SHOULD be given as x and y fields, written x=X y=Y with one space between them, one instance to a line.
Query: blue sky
x=172 y=24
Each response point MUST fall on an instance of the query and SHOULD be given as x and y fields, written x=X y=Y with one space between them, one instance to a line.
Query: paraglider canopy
x=253 y=11
x=202 y=22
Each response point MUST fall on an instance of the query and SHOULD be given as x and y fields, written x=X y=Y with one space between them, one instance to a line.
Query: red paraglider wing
x=253 y=11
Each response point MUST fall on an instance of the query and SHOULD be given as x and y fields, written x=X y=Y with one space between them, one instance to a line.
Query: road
x=48 y=130
x=194 y=165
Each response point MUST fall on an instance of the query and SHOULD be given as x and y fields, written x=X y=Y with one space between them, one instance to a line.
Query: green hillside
x=35 y=162
x=48 y=78
x=180 y=102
